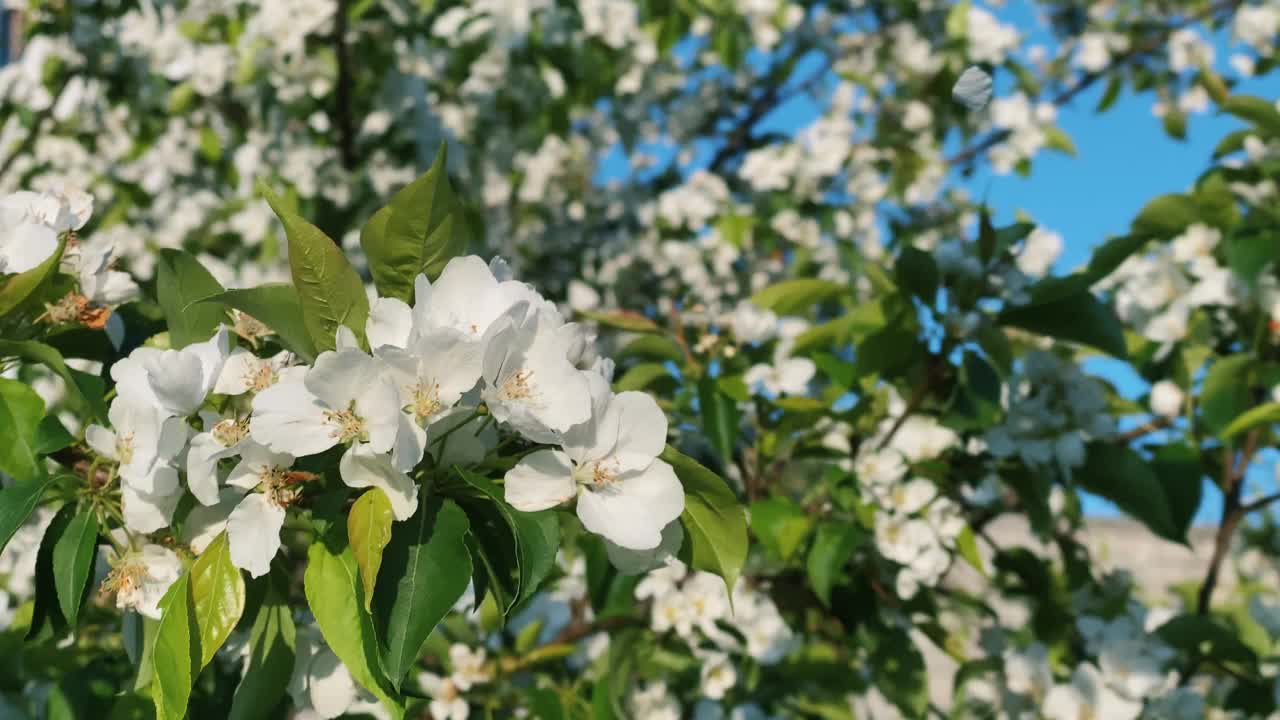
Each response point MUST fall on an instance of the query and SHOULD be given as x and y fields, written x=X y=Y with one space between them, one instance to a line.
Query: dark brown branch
x=1159 y=423
x=342 y=90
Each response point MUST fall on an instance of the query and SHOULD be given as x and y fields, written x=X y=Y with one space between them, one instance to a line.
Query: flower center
x=348 y=427
x=599 y=474
x=249 y=327
x=518 y=385
x=281 y=485
x=426 y=400
x=124 y=447
x=124 y=580
x=261 y=377
x=230 y=431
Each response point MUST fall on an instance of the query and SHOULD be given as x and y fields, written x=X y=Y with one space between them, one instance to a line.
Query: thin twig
x=342 y=90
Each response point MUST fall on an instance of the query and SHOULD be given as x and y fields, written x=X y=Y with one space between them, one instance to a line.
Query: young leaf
x=15 y=290
x=332 y=587
x=369 y=528
x=1267 y=414
x=622 y=320
x=217 y=591
x=330 y=291
x=516 y=550
x=1262 y=113
x=780 y=524
x=271 y=655
x=16 y=504
x=1120 y=475
x=277 y=306
x=182 y=283
x=792 y=296
x=1080 y=317
x=81 y=387
x=832 y=546
x=176 y=653
x=20 y=412
x=419 y=231
x=1225 y=394
x=73 y=556
x=715 y=524
x=917 y=273
x=719 y=418
x=1165 y=216
x=426 y=570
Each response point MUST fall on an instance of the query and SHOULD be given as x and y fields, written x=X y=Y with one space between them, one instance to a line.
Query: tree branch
x=342 y=90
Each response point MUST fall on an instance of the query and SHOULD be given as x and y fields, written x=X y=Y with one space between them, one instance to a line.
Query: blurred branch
x=342 y=91
x=1159 y=423
x=1232 y=512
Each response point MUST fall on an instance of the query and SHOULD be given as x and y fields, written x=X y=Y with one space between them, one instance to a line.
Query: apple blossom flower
x=447 y=702
x=140 y=578
x=1166 y=399
x=30 y=224
x=143 y=442
x=973 y=88
x=610 y=464
x=1087 y=695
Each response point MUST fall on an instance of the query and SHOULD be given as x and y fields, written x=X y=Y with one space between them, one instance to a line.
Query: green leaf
x=176 y=653
x=657 y=347
x=1177 y=465
x=1262 y=113
x=427 y=569
x=1175 y=123
x=1267 y=414
x=73 y=556
x=21 y=410
x=332 y=587
x=899 y=672
x=1225 y=393
x=854 y=324
x=369 y=528
x=419 y=231
x=833 y=545
x=622 y=320
x=792 y=296
x=917 y=273
x=517 y=550
x=271 y=655
x=641 y=376
x=719 y=418
x=1056 y=139
x=52 y=436
x=17 y=503
x=957 y=23
x=277 y=306
x=217 y=592
x=780 y=524
x=1165 y=216
x=1111 y=94
x=1079 y=318
x=85 y=390
x=1119 y=474
x=1202 y=636
x=967 y=546
x=182 y=283
x=15 y=290
x=330 y=291
x=715 y=525
x=1111 y=254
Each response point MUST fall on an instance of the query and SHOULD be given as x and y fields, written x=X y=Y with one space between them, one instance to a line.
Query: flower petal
x=635 y=507
x=362 y=467
x=540 y=480
x=390 y=323
x=288 y=418
x=253 y=533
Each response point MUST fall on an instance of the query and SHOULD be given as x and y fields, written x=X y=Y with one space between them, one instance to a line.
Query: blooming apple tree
x=745 y=438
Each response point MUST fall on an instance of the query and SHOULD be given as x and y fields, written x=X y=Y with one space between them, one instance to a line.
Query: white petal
x=255 y=462
x=203 y=524
x=379 y=406
x=29 y=244
x=288 y=418
x=202 y=466
x=634 y=562
x=345 y=339
x=102 y=440
x=633 y=510
x=411 y=443
x=253 y=533
x=236 y=372
x=973 y=88
x=340 y=377
x=175 y=378
x=641 y=429
x=390 y=323
x=146 y=513
x=362 y=467
x=330 y=686
x=540 y=480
